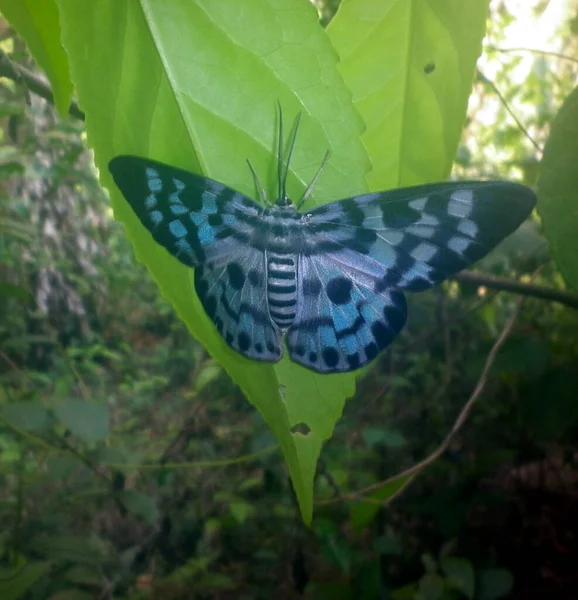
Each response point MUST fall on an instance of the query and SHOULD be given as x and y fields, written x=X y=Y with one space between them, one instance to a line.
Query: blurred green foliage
x=131 y=467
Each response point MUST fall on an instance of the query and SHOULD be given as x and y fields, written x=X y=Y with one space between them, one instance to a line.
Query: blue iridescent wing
x=363 y=252
x=206 y=225
x=232 y=291
x=187 y=214
x=341 y=323
x=413 y=238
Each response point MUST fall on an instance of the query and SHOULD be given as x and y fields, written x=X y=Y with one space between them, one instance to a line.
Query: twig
x=487 y=81
x=525 y=289
x=19 y=74
x=412 y=471
x=534 y=51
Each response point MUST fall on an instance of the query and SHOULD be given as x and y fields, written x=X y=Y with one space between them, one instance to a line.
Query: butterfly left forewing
x=187 y=214
x=421 y=235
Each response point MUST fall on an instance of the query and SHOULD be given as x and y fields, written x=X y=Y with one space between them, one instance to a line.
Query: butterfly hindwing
x=187 y=214
x=421 y=235
x=232 y=291
x=341 y=322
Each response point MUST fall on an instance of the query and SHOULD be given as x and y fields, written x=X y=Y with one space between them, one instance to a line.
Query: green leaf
x=558 y=415
x=362 y=513
x=495 y=584
x=557 y=200
x=141 y=505
x=386 y=544
x=36 y=21
x=167 y=84
x=9 y=290
x=241 y=511
x=84 y=574
x=460 y=574
x=431 y=587
x=71 y=595
x=16 y=581
x=28 y=415
x=86 y=419
x=76 y=549
x=410 y=66
x=387 y=436
x=62 y=467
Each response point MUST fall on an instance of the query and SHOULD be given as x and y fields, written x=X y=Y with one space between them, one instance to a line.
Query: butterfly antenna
x=280 y=153
x=260 y=189
x=310 y=187
x=289 y=154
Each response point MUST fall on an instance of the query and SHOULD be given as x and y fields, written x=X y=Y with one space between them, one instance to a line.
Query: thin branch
x=503 y=284
x=534 y=51
x=19 y=74
x=413 y=471
x=487 y=81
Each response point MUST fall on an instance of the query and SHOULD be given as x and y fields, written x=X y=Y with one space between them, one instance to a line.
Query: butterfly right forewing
x=419 y=236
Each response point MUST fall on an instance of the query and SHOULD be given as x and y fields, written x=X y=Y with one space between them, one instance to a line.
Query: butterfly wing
x=232 y=292
x=207 y=225
x=341 y=323
x=187 y=214
x=413 y=238
x=363 y=252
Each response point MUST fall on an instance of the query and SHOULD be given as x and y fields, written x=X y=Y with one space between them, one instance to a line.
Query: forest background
x=131 y=466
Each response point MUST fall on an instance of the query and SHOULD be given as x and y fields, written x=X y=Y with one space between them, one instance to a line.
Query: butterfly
x=330 y=281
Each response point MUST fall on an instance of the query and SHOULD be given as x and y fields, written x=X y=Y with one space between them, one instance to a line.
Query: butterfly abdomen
x=282 y=288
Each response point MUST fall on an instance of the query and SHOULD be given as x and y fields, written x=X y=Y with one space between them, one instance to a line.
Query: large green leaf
x=16 y=581
x=37 y=23
x=410 y=66
x=86 y=419
x=195 y=83
x=557 y=198
x=28 y=415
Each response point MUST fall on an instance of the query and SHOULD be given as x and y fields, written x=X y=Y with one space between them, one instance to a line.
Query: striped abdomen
x=282 y=288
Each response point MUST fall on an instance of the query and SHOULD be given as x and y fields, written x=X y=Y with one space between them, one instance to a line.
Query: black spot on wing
x=236 y=275
x=371 y=351
x=399 y=215
x=330 y=357
x=255 y=277
x=299 y=350
x=353 y=361
x=338 y=290
x=382 y=334
x=215 y=219
x=244 y=341
x=354 y=214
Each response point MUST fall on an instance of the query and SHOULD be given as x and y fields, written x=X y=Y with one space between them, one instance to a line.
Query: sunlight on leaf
x=161 y=87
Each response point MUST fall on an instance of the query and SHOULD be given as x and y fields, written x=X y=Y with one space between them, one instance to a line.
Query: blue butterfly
x=331 y=279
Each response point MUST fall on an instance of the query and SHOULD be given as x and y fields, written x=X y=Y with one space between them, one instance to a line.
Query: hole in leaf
x=429 y=68
x=301 y=428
